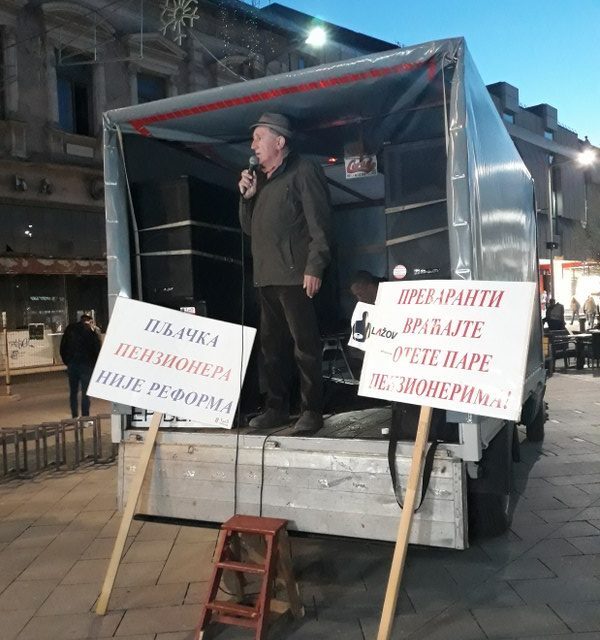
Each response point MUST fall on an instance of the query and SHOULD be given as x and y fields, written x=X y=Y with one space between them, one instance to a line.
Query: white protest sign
x=459 y=345
x=172 y=362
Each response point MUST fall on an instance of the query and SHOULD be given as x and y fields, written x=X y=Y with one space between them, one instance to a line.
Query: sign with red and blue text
x=179 y=364
x=459 y=345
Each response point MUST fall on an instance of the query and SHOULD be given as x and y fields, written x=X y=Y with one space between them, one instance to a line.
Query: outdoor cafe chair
x=563 y=346
x=592 y=350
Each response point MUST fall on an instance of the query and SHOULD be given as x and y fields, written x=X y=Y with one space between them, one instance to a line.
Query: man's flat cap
x=276 y=121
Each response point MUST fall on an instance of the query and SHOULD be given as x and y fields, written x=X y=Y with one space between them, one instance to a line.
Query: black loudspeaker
x=191 y=249
x=417 y=219
x=191 y=255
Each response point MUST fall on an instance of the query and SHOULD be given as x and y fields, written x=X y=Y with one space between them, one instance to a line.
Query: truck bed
x=337 y=483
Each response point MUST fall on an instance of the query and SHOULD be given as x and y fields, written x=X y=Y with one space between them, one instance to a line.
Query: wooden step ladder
x=277 y=565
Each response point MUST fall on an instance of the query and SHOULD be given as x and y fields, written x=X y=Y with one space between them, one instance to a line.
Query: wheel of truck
x=489 y=496
x=534 y=428
x=489 y=514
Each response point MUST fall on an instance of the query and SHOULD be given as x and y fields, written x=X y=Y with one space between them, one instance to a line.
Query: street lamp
x=587 y=157
x=317 y=37
x=304 y=42
x=584 y=158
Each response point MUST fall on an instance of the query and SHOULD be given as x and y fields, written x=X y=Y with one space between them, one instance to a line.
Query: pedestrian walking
x=590 y=309
x=79 y=349
x=575 y=307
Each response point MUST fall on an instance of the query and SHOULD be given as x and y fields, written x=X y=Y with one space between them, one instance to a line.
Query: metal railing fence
x=62 y=445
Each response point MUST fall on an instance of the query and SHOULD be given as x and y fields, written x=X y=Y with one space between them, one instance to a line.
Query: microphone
x=252 y=164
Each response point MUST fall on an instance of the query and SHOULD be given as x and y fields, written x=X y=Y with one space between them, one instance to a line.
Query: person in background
x=543 y=303
x=364 y=286
x=575 y=307
x=79 y=349
x=555 y=315
x=285 y=209
x=590 y=309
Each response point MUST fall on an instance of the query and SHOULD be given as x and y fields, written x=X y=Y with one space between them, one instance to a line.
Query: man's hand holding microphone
x=247 y=183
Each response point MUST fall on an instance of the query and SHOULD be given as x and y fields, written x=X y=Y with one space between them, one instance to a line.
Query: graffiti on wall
x=23 y=351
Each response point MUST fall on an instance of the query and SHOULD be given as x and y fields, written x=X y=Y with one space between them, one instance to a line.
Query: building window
x=509 y=117
x=74 y=85
x=150 y=87
x=299 y=60
x=549 y=135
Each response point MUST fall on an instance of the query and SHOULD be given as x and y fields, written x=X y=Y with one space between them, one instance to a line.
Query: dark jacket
x=80 y=345
x=289 y=220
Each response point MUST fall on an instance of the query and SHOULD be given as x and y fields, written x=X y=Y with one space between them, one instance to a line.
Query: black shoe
x=270 y=419
x=309 y=422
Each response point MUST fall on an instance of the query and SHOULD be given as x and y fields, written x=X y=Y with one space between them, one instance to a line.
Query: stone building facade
x=568 y=228
x=62 y=65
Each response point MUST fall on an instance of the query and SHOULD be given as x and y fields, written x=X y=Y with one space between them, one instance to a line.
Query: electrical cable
x=237 y=443
x=262 y=468
x=239 y=407
x=212 y=55
x=222 y=589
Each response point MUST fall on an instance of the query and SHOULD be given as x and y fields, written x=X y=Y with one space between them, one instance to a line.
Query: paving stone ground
x=37 y=398
x=540 y=580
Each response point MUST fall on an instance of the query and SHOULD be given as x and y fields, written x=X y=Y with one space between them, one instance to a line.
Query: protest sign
x=172 y=362
x=459 y=345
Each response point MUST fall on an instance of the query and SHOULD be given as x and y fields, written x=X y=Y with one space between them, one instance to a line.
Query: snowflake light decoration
x=177 y=14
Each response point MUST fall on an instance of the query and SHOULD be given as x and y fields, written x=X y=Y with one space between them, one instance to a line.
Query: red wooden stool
x=277 y=564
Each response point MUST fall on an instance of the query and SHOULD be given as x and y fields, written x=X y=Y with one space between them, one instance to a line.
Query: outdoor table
x=580 y=340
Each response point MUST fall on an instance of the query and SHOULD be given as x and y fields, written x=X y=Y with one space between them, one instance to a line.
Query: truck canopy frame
x=362 y=102
x=427 y=101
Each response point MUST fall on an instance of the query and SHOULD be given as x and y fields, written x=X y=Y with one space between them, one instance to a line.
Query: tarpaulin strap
x=427 y=467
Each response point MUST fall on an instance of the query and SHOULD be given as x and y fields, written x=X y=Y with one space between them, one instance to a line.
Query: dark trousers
x=79 y=375
x=285 y=311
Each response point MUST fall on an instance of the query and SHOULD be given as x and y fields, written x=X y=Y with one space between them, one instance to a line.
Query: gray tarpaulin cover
x=396 y=95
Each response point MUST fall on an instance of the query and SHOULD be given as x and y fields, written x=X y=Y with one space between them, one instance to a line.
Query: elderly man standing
x=285 y=209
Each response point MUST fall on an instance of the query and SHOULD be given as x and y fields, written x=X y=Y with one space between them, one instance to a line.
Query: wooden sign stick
x=397 y=568
x=128 y=513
